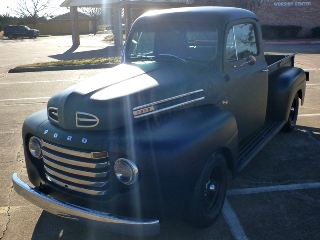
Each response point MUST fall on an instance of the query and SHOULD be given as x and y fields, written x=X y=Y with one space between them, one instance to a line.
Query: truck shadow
x=295 y=155
x=70 y=54
x=51 y=227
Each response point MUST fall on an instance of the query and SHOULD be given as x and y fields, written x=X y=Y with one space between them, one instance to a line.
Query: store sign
x=279 y=3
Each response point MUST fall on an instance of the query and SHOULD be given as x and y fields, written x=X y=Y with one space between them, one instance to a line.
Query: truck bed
x=276 y=61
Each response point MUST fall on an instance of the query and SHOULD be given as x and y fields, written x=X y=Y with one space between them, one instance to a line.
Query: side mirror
x=251 y=60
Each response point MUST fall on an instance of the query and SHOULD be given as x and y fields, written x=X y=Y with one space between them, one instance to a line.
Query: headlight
x=126 y=171
x=35 y=147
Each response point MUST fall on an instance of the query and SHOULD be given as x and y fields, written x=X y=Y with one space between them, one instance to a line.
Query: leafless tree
x=251 y=5
x=95 y=16
x=32 y=9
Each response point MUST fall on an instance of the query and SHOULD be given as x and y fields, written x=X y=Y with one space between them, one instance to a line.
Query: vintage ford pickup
x=194 y=97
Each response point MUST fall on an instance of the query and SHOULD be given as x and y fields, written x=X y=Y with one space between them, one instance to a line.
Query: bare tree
x=32 y=9
x=251 y=5
x=95 y=16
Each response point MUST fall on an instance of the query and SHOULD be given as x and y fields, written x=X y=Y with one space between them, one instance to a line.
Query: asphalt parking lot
x=276 y=196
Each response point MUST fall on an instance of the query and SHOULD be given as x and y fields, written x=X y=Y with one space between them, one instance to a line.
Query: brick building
x=291 y=12
x=304 y=13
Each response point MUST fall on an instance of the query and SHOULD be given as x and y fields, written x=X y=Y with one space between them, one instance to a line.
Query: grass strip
x=108 y=60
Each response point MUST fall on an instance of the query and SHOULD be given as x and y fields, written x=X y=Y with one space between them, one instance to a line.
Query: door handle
x=265 y=70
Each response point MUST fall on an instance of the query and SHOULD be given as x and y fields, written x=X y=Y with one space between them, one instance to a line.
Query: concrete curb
x=60 y=68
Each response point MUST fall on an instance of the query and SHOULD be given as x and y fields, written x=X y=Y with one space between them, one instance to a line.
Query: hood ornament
x=86 y=120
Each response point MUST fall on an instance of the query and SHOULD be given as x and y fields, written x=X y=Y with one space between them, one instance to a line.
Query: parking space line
x=19 y=99
x=309 y=115
x=233 y=222
x=44 y=81
x=290 y=187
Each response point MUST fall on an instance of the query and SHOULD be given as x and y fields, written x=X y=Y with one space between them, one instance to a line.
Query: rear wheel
x=10 y=35
x=209 y=193
x=293 y=115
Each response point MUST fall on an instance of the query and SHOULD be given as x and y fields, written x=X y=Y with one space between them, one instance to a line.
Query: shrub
x=280 y=32
x=316 y=32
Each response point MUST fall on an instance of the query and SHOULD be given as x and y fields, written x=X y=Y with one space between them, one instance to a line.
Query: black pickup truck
x=155 y=136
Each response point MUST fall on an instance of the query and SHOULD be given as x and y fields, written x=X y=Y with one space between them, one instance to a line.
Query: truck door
x=246 y=73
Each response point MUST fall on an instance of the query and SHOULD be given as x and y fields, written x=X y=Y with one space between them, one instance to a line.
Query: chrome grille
x=53 y=114
x=85 y=172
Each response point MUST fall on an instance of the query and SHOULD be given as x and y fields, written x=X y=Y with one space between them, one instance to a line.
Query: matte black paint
x=170 y=148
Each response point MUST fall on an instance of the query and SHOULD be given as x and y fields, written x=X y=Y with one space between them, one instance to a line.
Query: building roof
x=67 y=16
x=80 y=3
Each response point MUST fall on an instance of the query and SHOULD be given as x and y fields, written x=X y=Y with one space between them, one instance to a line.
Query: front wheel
x=209 y=194
x=293 y=115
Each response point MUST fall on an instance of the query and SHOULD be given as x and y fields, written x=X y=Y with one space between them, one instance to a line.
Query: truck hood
x=129 y=93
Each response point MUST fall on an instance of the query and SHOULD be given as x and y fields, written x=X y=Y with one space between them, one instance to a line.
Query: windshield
x=179 y=41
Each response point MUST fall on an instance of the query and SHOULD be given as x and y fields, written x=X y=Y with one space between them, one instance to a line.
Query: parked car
x=20 y=31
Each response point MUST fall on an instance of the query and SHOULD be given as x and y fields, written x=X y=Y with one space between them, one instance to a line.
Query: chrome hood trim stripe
x=154 y=107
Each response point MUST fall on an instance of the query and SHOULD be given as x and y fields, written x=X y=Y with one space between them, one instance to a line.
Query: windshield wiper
x=173 y=56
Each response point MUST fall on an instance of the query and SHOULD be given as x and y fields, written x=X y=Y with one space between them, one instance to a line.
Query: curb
x=60 y=68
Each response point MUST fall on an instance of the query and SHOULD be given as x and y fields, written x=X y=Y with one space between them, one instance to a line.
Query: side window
x=241 y=42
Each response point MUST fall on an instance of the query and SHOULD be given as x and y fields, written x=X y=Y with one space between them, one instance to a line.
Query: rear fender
x=284 y=84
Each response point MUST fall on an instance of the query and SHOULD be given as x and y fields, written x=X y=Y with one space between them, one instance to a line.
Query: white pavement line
x=44 y=81
x=313 y=84
x=290 y=187
x=19 y=99
x=309 y=115
x=233 y=222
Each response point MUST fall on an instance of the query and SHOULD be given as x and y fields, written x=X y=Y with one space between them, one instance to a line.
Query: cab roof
x=220 y=15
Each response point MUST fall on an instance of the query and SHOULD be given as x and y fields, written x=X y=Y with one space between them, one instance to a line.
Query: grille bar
x=92 y=155
x=72 y=162
x=78 y=189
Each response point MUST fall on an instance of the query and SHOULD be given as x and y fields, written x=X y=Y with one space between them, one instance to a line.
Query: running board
x=249 y=148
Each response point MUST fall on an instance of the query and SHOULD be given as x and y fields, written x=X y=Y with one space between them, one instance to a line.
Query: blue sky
x=5 y=7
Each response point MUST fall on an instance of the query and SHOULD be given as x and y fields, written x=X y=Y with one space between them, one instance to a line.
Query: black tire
x=293 y=115
x=209 y=194
x=10 y=35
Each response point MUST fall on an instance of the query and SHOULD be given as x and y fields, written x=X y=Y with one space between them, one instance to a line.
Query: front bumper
x=112 y=223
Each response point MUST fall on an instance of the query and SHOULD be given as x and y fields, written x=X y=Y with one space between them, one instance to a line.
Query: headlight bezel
x=34 y=147
x=122 y=165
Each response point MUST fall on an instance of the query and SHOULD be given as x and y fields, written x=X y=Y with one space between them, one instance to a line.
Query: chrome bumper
x=112 y=223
